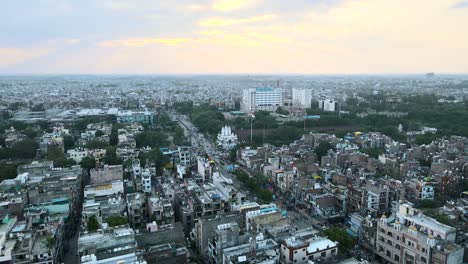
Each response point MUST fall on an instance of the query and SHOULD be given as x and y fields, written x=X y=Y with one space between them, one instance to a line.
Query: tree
x=30 y=133
x=88 y=163
x=68 y=142
x=179 y=136
x=322 y=149
x=153 y=139
x=24 y=149
x=99 y=133
x=111 y=156
x=92 y=224
x=154 y=156
x=345 y=241
x=96 y=144
x=55 y=154
x=8 y=171
x=115 y=220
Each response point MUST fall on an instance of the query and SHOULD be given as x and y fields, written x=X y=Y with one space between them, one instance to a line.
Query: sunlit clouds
x=234 y=36
x=223 y=22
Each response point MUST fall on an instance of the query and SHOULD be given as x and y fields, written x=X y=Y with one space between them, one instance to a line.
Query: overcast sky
x=233 y=36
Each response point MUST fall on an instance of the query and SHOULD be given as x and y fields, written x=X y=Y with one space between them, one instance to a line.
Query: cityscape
x=234 y=132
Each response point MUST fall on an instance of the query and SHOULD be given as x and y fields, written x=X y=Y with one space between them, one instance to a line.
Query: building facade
x=261 y=99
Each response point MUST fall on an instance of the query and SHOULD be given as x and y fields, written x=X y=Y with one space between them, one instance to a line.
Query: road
x=199 y=141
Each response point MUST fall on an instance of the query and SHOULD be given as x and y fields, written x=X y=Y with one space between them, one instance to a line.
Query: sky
x=233 y=36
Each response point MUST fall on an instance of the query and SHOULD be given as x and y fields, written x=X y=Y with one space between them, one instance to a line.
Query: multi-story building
x=145 y=117
x=261 y=99
x=328 y=105
x=302 y=98
x=298 y=251
x=412 y=237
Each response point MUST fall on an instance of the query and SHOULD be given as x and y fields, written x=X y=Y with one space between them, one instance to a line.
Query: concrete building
x=298 y=251
x=77 y=154
x=412 y=237
x=144 y=117
x=328 y=105
x=301 y=98
x=108 y=173
x=204 y=169
x=260 y=250
x=261 y=99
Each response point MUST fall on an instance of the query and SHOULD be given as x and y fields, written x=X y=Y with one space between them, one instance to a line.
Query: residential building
x=302 y=98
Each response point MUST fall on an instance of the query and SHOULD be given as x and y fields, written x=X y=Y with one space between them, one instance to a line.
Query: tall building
x=302 y=98
x=261 y=99
x=328 y=105
x=412 y=237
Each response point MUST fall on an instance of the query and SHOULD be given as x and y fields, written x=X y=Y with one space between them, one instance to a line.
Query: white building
x=298 y=251
x=328 y=105
x=204 y=168
x=77 y=154
x=185 y=157
x=261 y=99
x=146 y=180
x=301 y=98
x=226 y=139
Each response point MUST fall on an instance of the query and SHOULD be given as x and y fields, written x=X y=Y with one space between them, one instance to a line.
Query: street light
x=252 y=116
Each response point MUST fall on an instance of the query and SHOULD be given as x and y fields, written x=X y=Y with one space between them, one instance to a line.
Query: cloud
x=460 y=5
x=12 y=56
x=231 y=5
x=143 y=42
x=224 y=22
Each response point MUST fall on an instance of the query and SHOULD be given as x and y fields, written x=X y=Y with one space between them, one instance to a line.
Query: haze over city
x=233 y=36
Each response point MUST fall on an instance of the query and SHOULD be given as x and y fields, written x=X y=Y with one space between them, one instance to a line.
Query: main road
x=199 y=141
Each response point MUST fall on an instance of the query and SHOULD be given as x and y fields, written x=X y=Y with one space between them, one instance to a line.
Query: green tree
x=96 y=144
x=24 y=149
x=55 y=154
x=154 y=156
x=8 y=171
x=88 y=163
x=111 y=157
x=68 y=142
x=322 y=149
x=30 y=132
x=345 y=241
x=179 y=136
x=99 y=133
x=153 y=139
x=115 y=220
x=92 y=224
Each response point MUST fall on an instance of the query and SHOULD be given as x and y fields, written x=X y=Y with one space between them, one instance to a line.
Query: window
x=397 y=258
x=423 y=250
x=397 y=246
x=303 y=249
x=388 y=253
x=323 y=254
x=333 y=251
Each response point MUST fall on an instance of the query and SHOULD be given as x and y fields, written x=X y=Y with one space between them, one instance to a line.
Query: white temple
x=226 y=139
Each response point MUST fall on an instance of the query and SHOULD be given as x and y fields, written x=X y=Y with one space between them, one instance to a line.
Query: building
x=302 y=98
x=226 y=139
x=77 y=154
x=328 y=105
x=261 y=99
x=106 y=174
x=144 y=117
x=412 y=237
x=204 y=169
x=298 y=251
